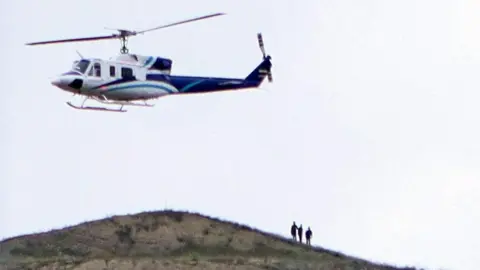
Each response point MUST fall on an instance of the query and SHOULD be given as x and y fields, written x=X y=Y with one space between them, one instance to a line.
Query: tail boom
x=260 y=72
x=194 y=84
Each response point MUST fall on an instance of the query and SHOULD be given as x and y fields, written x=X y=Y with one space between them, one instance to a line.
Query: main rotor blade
x=181 y=22
x=73 y=40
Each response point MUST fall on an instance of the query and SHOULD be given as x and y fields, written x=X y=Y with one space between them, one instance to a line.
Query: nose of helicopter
x=67 y=83
x=58 y=81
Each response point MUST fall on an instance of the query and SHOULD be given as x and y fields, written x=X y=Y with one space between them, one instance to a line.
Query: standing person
x=300 y=233
x=293 y=231
x=308 y=236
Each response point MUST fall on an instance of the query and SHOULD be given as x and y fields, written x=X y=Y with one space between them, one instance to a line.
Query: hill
x=168 y=240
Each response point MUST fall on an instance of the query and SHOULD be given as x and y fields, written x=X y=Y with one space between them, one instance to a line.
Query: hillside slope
x=167 y=240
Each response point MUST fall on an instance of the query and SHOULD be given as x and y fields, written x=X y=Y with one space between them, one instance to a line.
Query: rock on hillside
x=167 y=240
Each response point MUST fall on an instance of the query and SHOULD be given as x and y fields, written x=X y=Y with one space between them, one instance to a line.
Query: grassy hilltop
x=167 y=240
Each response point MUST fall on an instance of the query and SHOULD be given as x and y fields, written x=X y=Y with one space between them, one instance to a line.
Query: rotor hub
x=123 y=42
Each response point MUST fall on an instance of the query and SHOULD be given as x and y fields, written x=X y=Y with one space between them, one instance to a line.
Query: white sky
x=369 y=133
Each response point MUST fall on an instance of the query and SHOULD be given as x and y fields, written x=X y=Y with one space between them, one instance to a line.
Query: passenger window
x=112 y=71
x=127 y=72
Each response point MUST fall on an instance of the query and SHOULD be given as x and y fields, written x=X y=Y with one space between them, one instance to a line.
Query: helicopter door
x=96 y=71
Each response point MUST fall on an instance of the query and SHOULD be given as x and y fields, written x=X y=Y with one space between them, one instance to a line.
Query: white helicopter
x=131 y=79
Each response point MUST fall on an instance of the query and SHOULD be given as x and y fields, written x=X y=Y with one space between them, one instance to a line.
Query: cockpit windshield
x=81 y=65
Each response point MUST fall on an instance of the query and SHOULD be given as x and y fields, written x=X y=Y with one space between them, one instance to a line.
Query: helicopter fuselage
x=133 y=77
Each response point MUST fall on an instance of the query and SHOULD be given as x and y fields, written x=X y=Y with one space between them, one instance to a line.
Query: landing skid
x=94 y=108
x=104 y=100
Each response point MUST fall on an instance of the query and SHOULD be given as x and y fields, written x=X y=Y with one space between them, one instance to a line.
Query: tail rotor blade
x=262 y=48
x=260 y=44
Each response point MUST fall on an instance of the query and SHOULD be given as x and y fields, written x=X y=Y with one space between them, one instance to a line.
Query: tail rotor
x=265 y=56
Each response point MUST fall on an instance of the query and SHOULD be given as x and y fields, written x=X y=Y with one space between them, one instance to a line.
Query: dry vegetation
x=167 y=240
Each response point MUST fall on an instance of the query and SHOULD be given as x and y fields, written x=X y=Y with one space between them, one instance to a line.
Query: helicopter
x=132 y=79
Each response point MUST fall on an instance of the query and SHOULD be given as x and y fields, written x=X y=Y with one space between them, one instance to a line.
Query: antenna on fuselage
x=79 y=54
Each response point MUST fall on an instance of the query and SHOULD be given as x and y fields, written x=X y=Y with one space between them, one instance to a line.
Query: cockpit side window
x=95 y=71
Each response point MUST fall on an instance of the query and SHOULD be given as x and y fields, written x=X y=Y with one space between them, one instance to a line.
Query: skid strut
x=104 y=100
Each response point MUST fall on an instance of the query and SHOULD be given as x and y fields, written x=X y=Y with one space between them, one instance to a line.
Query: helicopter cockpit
x=81 y=66
x=84 y=65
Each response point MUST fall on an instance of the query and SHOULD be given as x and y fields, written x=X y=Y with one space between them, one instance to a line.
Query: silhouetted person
x=300 y=233
x=293 y=231
x=308 y=236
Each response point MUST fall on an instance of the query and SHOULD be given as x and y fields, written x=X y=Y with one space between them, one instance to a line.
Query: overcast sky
x=369 y=134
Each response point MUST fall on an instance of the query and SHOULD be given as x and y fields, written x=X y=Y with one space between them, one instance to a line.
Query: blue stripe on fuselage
x=184 y=84
x=146 y=85
x=189 y=84
x=72 y=72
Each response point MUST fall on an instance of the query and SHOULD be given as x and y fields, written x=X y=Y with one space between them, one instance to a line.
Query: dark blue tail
x=261 y=71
